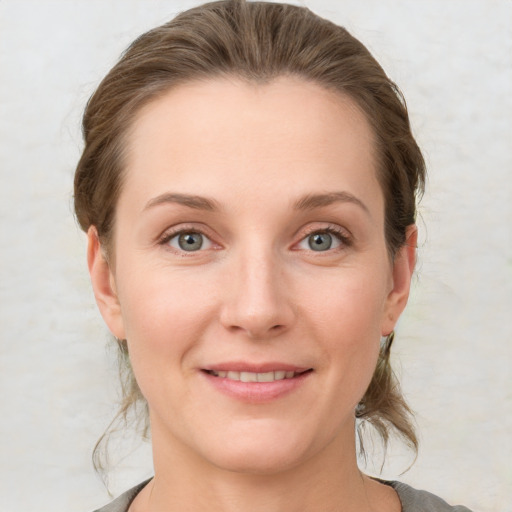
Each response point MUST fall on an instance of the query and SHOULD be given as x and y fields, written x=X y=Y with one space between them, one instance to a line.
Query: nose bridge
x=257 y=301
x=258 y=273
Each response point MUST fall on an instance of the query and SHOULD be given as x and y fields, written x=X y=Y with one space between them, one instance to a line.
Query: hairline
x=146 y=98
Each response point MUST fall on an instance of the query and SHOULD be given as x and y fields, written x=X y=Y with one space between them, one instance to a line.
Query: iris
x=320 y=241
x=190 y=241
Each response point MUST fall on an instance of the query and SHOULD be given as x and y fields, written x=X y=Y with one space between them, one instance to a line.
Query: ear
x=103 y=285
x=403 y=268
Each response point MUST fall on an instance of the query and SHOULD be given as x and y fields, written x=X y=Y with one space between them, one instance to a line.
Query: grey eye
x=320 y=241
x=190 y=241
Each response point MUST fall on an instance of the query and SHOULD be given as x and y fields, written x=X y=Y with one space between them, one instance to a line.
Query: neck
x=328 y=481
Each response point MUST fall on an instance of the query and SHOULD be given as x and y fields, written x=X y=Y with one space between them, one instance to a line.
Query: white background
x=453 y=60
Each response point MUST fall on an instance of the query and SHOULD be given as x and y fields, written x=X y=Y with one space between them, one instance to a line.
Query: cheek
x=350 y=301
x=347 y=315
x=164 y=315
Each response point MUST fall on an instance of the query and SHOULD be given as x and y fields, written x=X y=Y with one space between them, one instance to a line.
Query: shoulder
x=121 y=503
x=414 y=500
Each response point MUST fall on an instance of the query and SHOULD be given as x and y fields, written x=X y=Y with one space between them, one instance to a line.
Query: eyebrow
x=307 y=202
x=312 y=201
x=192 y=201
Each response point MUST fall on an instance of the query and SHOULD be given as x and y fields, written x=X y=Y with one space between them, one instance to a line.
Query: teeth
x=248 y=377
x=255 y=377
x=266 y=377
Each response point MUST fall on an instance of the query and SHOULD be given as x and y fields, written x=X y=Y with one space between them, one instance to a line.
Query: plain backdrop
x=452 y=59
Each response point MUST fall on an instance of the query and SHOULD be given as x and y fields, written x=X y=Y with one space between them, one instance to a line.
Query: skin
x=256 y=292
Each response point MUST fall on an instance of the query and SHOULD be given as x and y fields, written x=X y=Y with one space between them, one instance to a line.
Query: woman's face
x=251 y=276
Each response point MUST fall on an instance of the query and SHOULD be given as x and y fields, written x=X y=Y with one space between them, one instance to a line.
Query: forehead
x=207 y=137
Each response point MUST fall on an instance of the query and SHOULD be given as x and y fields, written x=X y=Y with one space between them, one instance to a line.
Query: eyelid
x=206 y=243
x=175 y=231
x=343 y=236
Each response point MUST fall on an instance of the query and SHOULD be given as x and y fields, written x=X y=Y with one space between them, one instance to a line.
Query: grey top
x=412 y=500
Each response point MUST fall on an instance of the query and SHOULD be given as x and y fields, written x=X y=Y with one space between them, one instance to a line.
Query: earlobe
x=102 y=280
x=403 y=269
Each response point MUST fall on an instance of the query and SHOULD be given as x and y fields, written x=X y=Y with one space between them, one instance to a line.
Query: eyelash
x=173 y=233
x=341 y=235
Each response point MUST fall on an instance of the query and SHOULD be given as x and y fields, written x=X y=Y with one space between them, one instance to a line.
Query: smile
x=256 y=377
x=261 y=385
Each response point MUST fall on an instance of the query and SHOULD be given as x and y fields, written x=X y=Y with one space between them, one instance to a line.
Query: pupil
x=190 y=241
x=320 y=241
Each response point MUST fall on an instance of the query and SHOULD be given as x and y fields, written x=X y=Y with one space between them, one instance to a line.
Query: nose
x=257 y=297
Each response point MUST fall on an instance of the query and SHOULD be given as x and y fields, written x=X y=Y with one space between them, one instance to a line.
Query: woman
x=248 y=190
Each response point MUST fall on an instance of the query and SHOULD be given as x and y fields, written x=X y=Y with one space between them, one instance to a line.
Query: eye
x=320 y=241
x=189 y=241
x=323 y=240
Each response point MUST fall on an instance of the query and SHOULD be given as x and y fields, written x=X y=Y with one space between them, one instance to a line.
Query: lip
x=241 y=366
x=256 y=392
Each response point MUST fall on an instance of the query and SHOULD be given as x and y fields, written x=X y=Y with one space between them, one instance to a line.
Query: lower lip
x=256 y=392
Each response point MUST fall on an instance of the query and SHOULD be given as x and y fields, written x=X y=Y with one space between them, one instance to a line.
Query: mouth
x=256 y=383
x=271 y=376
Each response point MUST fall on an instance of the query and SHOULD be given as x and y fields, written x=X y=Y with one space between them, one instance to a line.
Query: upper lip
x=240 y=366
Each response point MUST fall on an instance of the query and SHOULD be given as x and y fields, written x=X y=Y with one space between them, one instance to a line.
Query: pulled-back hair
x=256 y=42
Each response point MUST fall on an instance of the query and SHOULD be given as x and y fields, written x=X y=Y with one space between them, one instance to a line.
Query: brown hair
x=254 y=41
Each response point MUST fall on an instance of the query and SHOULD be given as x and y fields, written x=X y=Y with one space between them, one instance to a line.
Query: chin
x=260 y=451
x=256 y=461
